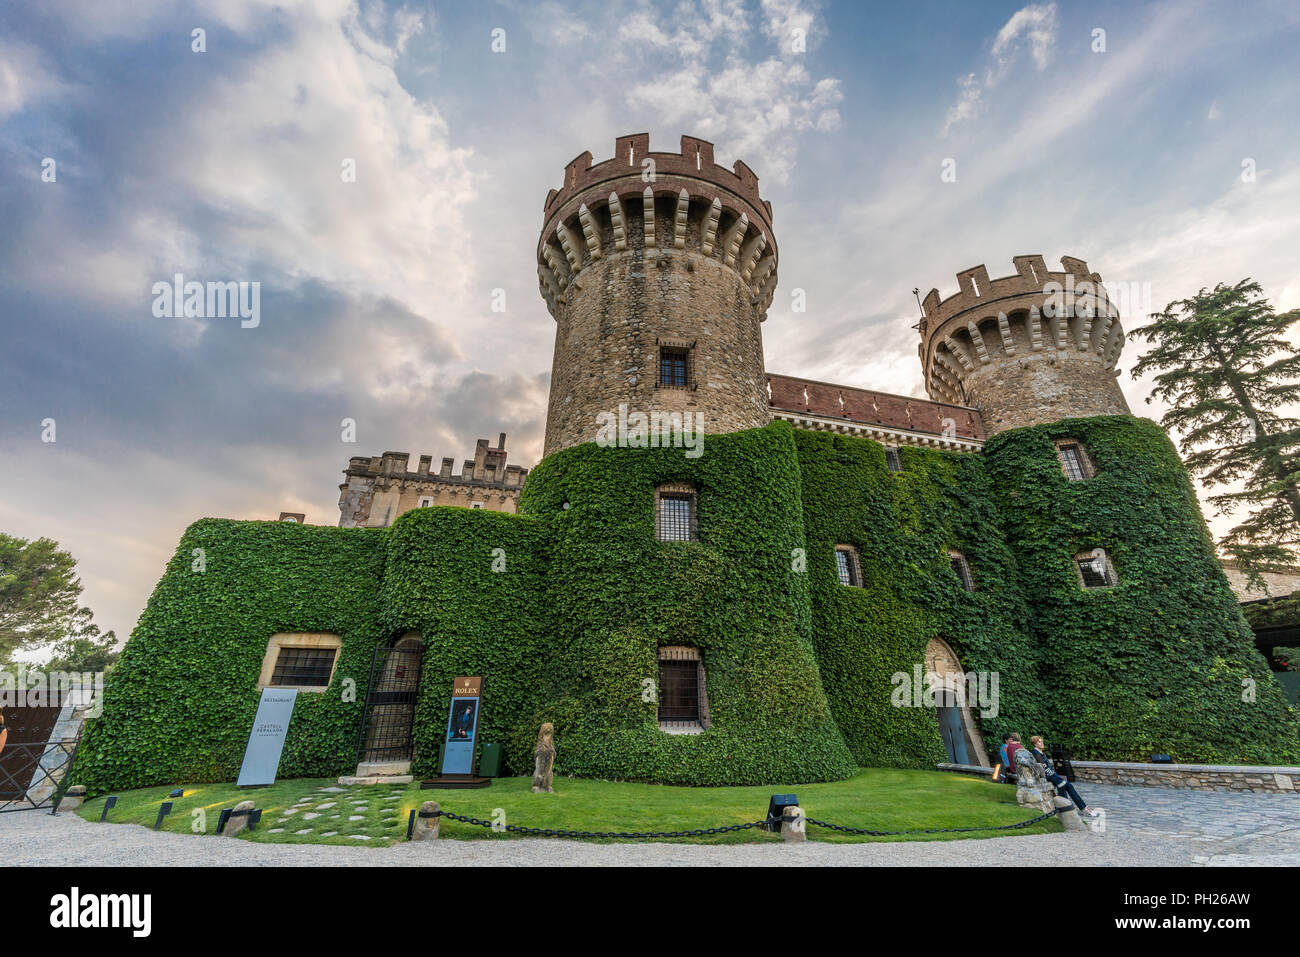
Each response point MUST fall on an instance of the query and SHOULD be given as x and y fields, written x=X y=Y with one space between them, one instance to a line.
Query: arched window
x=961 y=568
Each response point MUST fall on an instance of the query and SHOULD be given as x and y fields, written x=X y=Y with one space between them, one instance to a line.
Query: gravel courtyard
x=1144 y=826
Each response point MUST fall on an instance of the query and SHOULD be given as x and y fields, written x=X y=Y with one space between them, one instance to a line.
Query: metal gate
x=34 y=774
x=388 y=725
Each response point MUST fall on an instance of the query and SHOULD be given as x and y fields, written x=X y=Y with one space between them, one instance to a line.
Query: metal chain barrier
x=933 y=830
x=705 y=831
x=630 y=835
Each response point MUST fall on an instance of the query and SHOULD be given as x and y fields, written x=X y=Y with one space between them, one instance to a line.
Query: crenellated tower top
x=658 y=269
x=661 y=201
x=1033 y=347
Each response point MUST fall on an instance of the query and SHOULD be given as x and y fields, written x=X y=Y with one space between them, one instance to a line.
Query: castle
x=840 y=578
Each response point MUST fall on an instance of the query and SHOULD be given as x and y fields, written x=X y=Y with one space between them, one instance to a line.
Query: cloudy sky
x=376 y=295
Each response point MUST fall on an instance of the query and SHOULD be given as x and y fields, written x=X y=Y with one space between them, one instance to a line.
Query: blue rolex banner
x=462 y=726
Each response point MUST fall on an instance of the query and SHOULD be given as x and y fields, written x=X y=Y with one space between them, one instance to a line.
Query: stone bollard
x=235 y=824
x=1068 y=815
x=794 y=825
x=73 y=798
x=426 y=828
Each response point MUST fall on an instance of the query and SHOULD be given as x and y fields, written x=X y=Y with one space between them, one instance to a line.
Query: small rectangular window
x=675 y=521
x=893 y=460
x=1095 y=570
x=1073 y=461
x=674 y=367
x=307 y=667
x=846 y=565
x=679 y=690
x=961 y=568
x=426 y=501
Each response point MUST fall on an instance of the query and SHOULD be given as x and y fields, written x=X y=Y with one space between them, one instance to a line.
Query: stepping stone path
x=357 y=817
x=326 y=805
x=310 y=816
x=359 y=837
x=329 y=833
x=276 y=830
x=305 y=830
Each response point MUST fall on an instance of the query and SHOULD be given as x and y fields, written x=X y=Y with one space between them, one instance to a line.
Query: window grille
x=846 y=564
x=1095 y=570
x=1073 y=462
x=679 y=690
x=306 y=667
x=674 y=367
x=675 y=519
x=893 y=460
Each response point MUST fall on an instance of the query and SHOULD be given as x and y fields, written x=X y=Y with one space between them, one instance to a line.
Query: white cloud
x=1033 y=26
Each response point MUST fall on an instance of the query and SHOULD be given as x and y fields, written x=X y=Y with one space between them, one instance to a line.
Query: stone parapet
x=1259 y=779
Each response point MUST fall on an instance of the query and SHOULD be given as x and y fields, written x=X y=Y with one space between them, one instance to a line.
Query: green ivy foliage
x=562 y=611
x=1163 y=662
x=903 y=525
x=616 y=595
x=179 y=705
x=472 y=583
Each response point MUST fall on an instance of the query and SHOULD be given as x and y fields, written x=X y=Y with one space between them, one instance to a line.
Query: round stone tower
x=658 y=269
x=1027 y=349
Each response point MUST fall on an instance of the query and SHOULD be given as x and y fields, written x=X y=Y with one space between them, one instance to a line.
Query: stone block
x=238 y=820
x=427 y=828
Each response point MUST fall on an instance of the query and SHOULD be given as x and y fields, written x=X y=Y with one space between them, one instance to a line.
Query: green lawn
x=876 y=798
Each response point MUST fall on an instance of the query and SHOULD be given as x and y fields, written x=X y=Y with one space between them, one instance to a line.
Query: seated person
x=1062 y=786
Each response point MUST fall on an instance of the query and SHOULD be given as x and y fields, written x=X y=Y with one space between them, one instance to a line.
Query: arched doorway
x=961 y=737
x=390 y=701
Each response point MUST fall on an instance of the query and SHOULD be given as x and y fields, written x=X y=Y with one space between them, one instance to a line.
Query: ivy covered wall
x=179 y=705
x=903 y=525
x=1164 y=661
x=562 y=610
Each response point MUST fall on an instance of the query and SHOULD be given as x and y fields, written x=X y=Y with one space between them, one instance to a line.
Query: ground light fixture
x=109 y=803
x=776 y=809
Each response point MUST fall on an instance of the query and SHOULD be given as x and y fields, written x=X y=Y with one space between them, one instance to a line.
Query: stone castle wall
x=1027 y=349
x=378 y=489
x=628 y=266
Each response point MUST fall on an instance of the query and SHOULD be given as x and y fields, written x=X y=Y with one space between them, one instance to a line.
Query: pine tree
x=1223 y=364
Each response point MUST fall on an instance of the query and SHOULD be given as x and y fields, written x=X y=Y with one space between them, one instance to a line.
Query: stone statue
x=1032 y=789
x=544 y=759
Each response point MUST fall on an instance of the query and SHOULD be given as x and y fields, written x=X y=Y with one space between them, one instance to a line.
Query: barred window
x=1074 y=461
x=1095 y=569
x=961 y=568
x=674 y=366
x=893 y=461
x=846 y=564
x=679 y=691
x=675 y=516
x=299 y=667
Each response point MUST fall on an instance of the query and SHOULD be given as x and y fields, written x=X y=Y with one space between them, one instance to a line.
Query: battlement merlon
x=693 y=169
x=488 y=467
x=981 y=300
